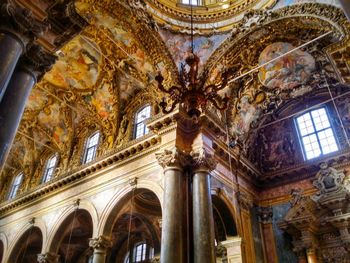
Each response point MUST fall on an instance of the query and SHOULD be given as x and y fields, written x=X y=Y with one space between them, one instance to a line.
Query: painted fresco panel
x=179 y=45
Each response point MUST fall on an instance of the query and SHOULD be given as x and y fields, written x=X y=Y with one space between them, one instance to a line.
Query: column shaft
x=203 y=222
x=99 y=256
x=311 y=256
x=12 y=107
x=11 y=48
x=172 y=250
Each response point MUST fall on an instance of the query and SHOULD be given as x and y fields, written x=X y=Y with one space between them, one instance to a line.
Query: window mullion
x=316 y=132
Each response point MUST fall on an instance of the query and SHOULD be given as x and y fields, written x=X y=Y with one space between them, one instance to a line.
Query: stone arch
x=3 y=241
x=70 y=241
x=133 y=218
x=83 y=205
x=112 y=208
x=226 y=214
x=27 y=244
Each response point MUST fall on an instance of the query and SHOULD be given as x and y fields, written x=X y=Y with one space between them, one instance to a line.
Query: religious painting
x=179 y=45
x=77 y=66
x=52 y=118
x=37 y=99
x=343 y=106
x=247 y=113
x=135 y=61
x=287 y=72
x=103 y=100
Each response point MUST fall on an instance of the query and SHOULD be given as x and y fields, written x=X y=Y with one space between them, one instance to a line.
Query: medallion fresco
x=77 y=67
x=179 y=45
x=287 y=72
x=37 y=99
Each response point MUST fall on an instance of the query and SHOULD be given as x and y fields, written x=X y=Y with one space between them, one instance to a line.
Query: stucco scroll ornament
x=202 y=159
x=48 y=258
x=171 y=158
x=101 y=242
x=330 y=180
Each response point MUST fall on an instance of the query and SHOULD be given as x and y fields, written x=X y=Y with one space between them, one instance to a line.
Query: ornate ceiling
x=108 y=70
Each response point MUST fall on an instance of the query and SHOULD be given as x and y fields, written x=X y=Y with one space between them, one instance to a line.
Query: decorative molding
x=48 y=258
x=100 y=243
x=265 y=214
x=172 y=158
x=202 y=159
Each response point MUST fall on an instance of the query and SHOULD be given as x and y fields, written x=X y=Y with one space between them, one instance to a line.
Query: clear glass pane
x=305 y=124
x=327 y=141
x=311 y=146
x=320 y=119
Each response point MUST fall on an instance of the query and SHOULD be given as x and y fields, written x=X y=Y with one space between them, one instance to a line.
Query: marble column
x=203 y=222
x=100 y=246
x=35 y=62
x=346 y=7
x=11 y=48
x=173 y=232
x=18 y=27
x=48 y=258
x=12 y=108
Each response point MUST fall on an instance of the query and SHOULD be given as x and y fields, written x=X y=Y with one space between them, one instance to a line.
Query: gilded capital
x=48 y=258
x=101 y=242
x=172 y=158
x=202 y=159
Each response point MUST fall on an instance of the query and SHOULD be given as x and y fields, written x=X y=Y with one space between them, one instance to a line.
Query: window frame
x=14 y=188
x=136 y=124
x=52 y=168
x=316 y=132
x=86 y=150
x=147 y=253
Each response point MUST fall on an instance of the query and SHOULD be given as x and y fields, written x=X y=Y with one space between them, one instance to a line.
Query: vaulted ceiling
x=115 y=59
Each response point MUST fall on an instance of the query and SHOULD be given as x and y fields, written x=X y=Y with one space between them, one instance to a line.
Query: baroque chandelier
x=192 y=93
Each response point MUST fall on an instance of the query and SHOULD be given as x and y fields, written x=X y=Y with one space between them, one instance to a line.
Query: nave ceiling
x=108 y=71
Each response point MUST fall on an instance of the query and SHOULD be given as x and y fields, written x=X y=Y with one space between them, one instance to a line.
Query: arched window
x=91 y=147
x=190 y=2
x=140 y=128
x=141 y=252
x=16 y=183
x=50 y=168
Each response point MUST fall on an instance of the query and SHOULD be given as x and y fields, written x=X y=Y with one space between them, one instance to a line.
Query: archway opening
x=71 y=242
x=27 y=247
x=225 y=225
x=136 y=228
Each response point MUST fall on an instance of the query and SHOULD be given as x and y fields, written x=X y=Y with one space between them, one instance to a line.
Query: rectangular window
x=50 y=168
x=189 y=2
x=141 y=116
x=91 y=147
x=316 y=133
x=15 y=186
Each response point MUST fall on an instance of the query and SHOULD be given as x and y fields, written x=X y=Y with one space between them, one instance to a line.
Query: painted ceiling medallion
x=288 y=72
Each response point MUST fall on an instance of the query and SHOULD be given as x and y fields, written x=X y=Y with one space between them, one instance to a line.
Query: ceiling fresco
x=114 y=61
x=284 y=3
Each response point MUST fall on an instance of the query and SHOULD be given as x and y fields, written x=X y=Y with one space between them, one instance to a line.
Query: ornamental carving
x=265 y=214
x=101 y=242
x=330 y=180
x=48 y=258
x=244 y=201
x=202 y=159
x=20 y=21
x=172 y=158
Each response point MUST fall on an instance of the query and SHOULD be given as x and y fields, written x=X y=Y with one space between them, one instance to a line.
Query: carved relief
x=101 y=242
x=172 y=158
x=202 y=159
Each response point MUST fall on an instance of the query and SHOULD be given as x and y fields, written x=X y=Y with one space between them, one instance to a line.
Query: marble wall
x=283 y=240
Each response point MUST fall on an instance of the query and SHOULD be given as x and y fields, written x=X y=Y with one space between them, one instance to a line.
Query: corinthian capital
x=101 y=242
x=202 y=159
x=172 y=158
x=48 y=258
x=20 y=21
